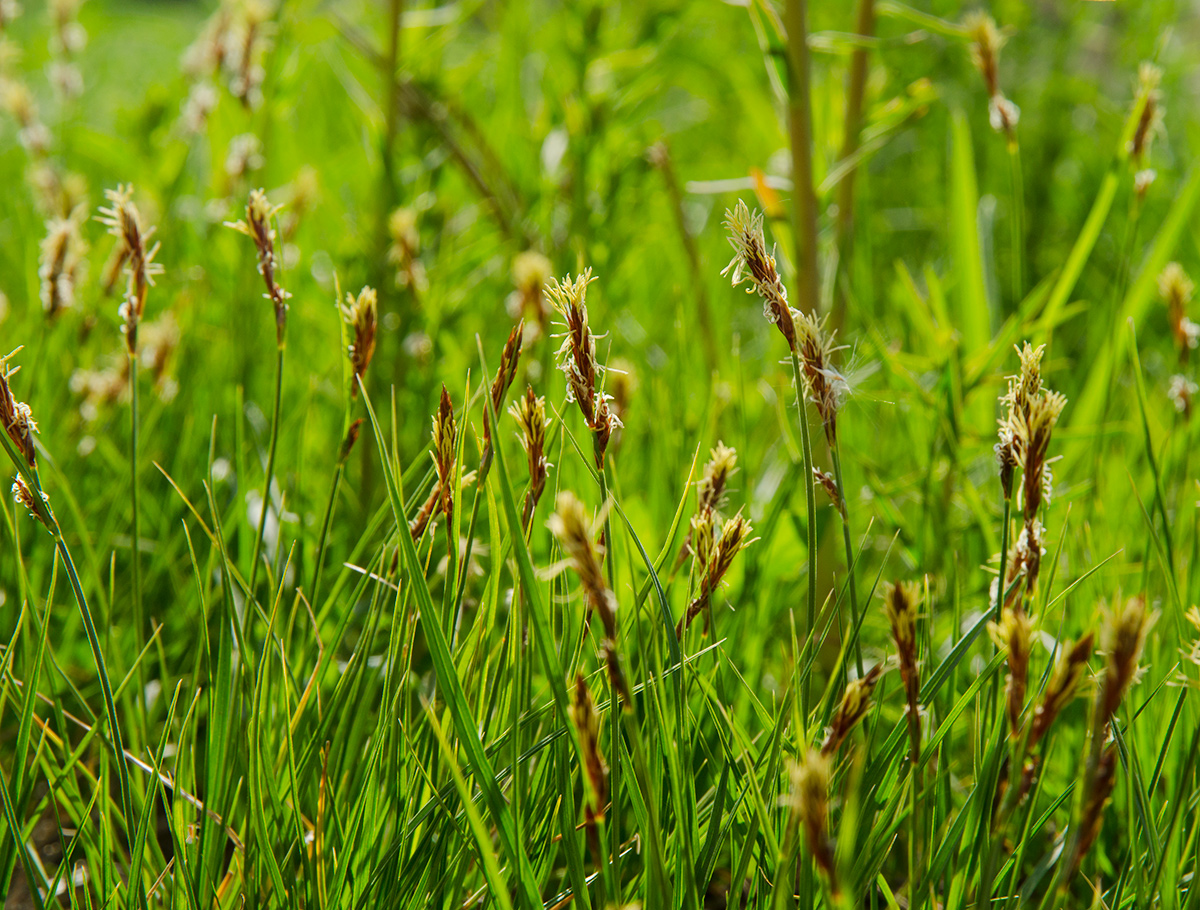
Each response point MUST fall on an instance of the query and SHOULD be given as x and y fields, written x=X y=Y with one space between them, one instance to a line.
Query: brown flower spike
x=509 y=359
x=530 y=413
x=362 y=316
x=124 y=222
x=856 y=701
x=257 y=227
x=445 y=452
x=754 y=264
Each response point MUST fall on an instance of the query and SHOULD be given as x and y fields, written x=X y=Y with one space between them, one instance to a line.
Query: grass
x=251 y=655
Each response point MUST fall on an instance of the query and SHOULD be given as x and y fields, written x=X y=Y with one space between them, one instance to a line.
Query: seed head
x=405 y=250
x=15 y=416
x=1126 y=625
x=530 y=414
x=1097 y=799
x=826 y=386
x=754 y=264
x=570 y=525
x=445 y=451
x=587 y=725
x=1013 y=634
x=828 y=483
x=351 y=438
x=362 y=316
x=61 y=262
x=735 y=536
x=1176 y=289
x=810 y=805
x=257 y=226
x=1034 y=433
x=986 y=42
x=1150 y=121
x=531 y=272
x=1069 y=671
x=124 y=222
x=509 y=359
x=711 y=489
x=577 y=360
x=24 y=496
x=902 y=600
x=856 y=701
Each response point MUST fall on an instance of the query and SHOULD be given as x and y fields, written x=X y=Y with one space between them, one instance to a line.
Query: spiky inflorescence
x=257 y=226
x=1126 y=624
x=1096 y=800
x=15 y=416
x=509 y=359
x=531 y=272
x=124 y=222
x=577 y=360
x=986 y=42
x=362 y=316
x=573 y=530
x=826 y=385
x=1176 y=289
x=1063 y=686
x=901 y=601
x=1150 y=120
x=810 y=805
x=856 y=701
x=753 y=263
x=445 y=451
x=717 y=559
x=711 y=488
x=61 y=262
x=530 y=414
x=587 y=725
x=1013 y=634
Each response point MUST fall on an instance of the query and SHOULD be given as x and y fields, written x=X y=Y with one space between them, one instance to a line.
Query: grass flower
x=752 y=263
x=901 y=601
x=1150 y=121
x=587 y=724
x=530 y=413
x=362 y=316
x=1097 y=798
x=986 y=42
x=855 y=703
x=531 y=274
x=61 y=262
x=570 y=525
x=577 y=360
x=1012 y=634
x=124 y=222
x=15 y=416
x=445 y=451
x=810 y=808
x=257 y=226
x=509 y=359
x=1176 y=289
x=1126 y=624
x=1069 y=671
x=715 y=560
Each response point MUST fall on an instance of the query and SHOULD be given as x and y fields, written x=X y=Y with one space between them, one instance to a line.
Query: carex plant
x=535 y=673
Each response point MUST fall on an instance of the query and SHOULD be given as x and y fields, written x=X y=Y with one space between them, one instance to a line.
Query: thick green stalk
x=800 y=131
x=810 y=498
x=266 y=495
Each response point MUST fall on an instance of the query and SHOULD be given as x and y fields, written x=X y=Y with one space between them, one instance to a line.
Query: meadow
x=663 y=455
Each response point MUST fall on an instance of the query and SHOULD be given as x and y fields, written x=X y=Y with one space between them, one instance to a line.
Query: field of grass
x=409 y=511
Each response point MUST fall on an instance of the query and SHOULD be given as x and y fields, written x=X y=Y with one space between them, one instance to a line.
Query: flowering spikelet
x=587 y=725
x=1150 y=121
x=15 y=416
x=124 y=223
x=1126 y=625
x=1069 y=670
x=577 y=360
x=826 y=386
x=1097 y=799
x=901 y=601
x=810 y=807
x=986 y=42
x=1176 y=289
x=404 y=253
x=828 y=483
x=735 y=536
x=530 y=414
x=753 y=263
x=257 y=226
x=1012 y=634
x=509 y=359
x=711 y=488
x=570 y=525
x=61 y=262
x=531 y=272
x=1022 y=389
x=24 y=497
x=349 y=441
x=1181 y=390
x=856 y=701
x=362 y=316
x=445 y=451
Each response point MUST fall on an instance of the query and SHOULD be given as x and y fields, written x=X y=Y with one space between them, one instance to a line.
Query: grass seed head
x=445 y=451
x=1150 y=121
x=754 y=264
x=827 y=387
x=810 y=805
x=1069 y=671
x=15 y=416
x=61 y=262
x=711 y=489
x=1013 y=634
x=856 y=701
x=124 y=222
x=1176 y=289
x=530 y=413
x=570 y=525
x=24 y=497
x=1126 y=624
x=1097 y=799
x=362 y=316
x=531 y=273
x=587 y=724
x=257 y=226
x=509 y=358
